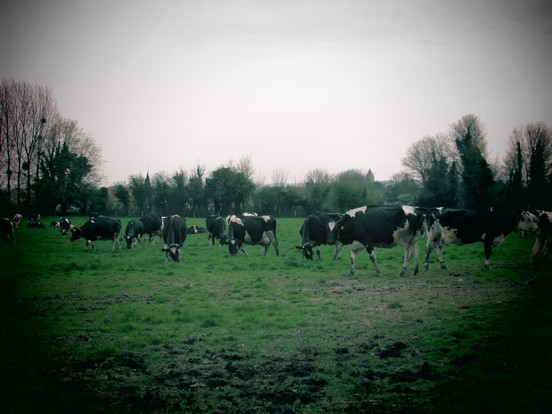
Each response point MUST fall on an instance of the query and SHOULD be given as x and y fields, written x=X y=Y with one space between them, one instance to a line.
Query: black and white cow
x=380 y=226
x=465 y=226
x=17 y=219
x=6 y=230
x=134 y=231
x=251 y=230
x=314 y=233
x=34 y=217
x=64 y=225
x=34 y=221
x=196 y=230
x=174 y=236
x=100 y=227
x=217 y=227
x=54 y=224
x=153 y=225
x=544 y=237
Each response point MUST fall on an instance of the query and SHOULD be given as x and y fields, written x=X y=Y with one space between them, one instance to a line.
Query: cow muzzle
x=172 y=250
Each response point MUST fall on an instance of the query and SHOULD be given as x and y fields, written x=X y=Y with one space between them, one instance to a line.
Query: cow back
x=152 y=223
x=98 y=227
x=175 y=231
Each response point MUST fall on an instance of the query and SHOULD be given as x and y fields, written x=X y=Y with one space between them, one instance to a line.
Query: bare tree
x=280 y=177
x=245 y=167
x=420 y=156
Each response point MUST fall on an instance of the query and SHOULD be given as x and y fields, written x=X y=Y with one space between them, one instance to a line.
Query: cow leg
x=416 y=257
x=337 y=254
x=439 y=250
x=116 y=242
x=406 y=257
x=354 y=254
x=488 y=245
x=318 y=253
x=274 y=242
x=429 y=248
x=411 y=249
x=372 y=255
x=441 y=259
x=535 y=250
x=244 y=252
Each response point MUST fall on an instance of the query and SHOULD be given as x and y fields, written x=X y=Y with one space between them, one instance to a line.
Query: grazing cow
x=133 y=233
x=216 y=226
x=174 y=236
x=34 y=221
x=461 y=226
x=101 y=227
x=17 y=219
x=34 y=217
x=380 y=226
x=251 y=230
x=64 y=225
x=54 y=224
x=153 y=225
x=196 y=230
x=6 y=230
x=544 y=237
x=315 y=231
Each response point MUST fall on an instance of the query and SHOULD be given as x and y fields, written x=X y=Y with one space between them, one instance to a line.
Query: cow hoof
x=444 y=266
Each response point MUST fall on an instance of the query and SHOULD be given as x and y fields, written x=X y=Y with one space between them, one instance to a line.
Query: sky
x=294 y=85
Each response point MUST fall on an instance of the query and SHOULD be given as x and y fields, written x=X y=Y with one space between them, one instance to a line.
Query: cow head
x=528 y=222
x=306 y=250
x=337 y=233
x=64 y=226
x=131 y=241
x=173 y=251
x=234 y=246
x=75 y=234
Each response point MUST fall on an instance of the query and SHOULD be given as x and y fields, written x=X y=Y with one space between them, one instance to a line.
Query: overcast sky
x=296 y=85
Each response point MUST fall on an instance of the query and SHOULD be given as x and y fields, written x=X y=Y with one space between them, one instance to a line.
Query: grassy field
x=126 y=331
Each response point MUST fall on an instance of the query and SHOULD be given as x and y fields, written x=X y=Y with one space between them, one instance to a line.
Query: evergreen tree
x=477 y=177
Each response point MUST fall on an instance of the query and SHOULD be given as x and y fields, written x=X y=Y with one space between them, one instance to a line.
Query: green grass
x=126 y=331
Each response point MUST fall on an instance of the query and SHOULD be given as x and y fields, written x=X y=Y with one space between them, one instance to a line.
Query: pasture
x=126 y=331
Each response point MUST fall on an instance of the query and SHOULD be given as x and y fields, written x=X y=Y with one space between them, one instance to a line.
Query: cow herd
x=367 y=227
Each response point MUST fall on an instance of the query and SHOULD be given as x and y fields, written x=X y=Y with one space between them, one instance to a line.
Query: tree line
x=453 y=169
x=49 y=164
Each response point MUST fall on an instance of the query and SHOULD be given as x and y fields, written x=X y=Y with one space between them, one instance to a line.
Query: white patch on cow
x=237 y=220
x=408 y=210
x=266 y=218
x=331 y=225
x=353 y=212
x=450 y=236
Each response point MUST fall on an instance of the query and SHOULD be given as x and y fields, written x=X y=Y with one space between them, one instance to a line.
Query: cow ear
x=299 y=247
